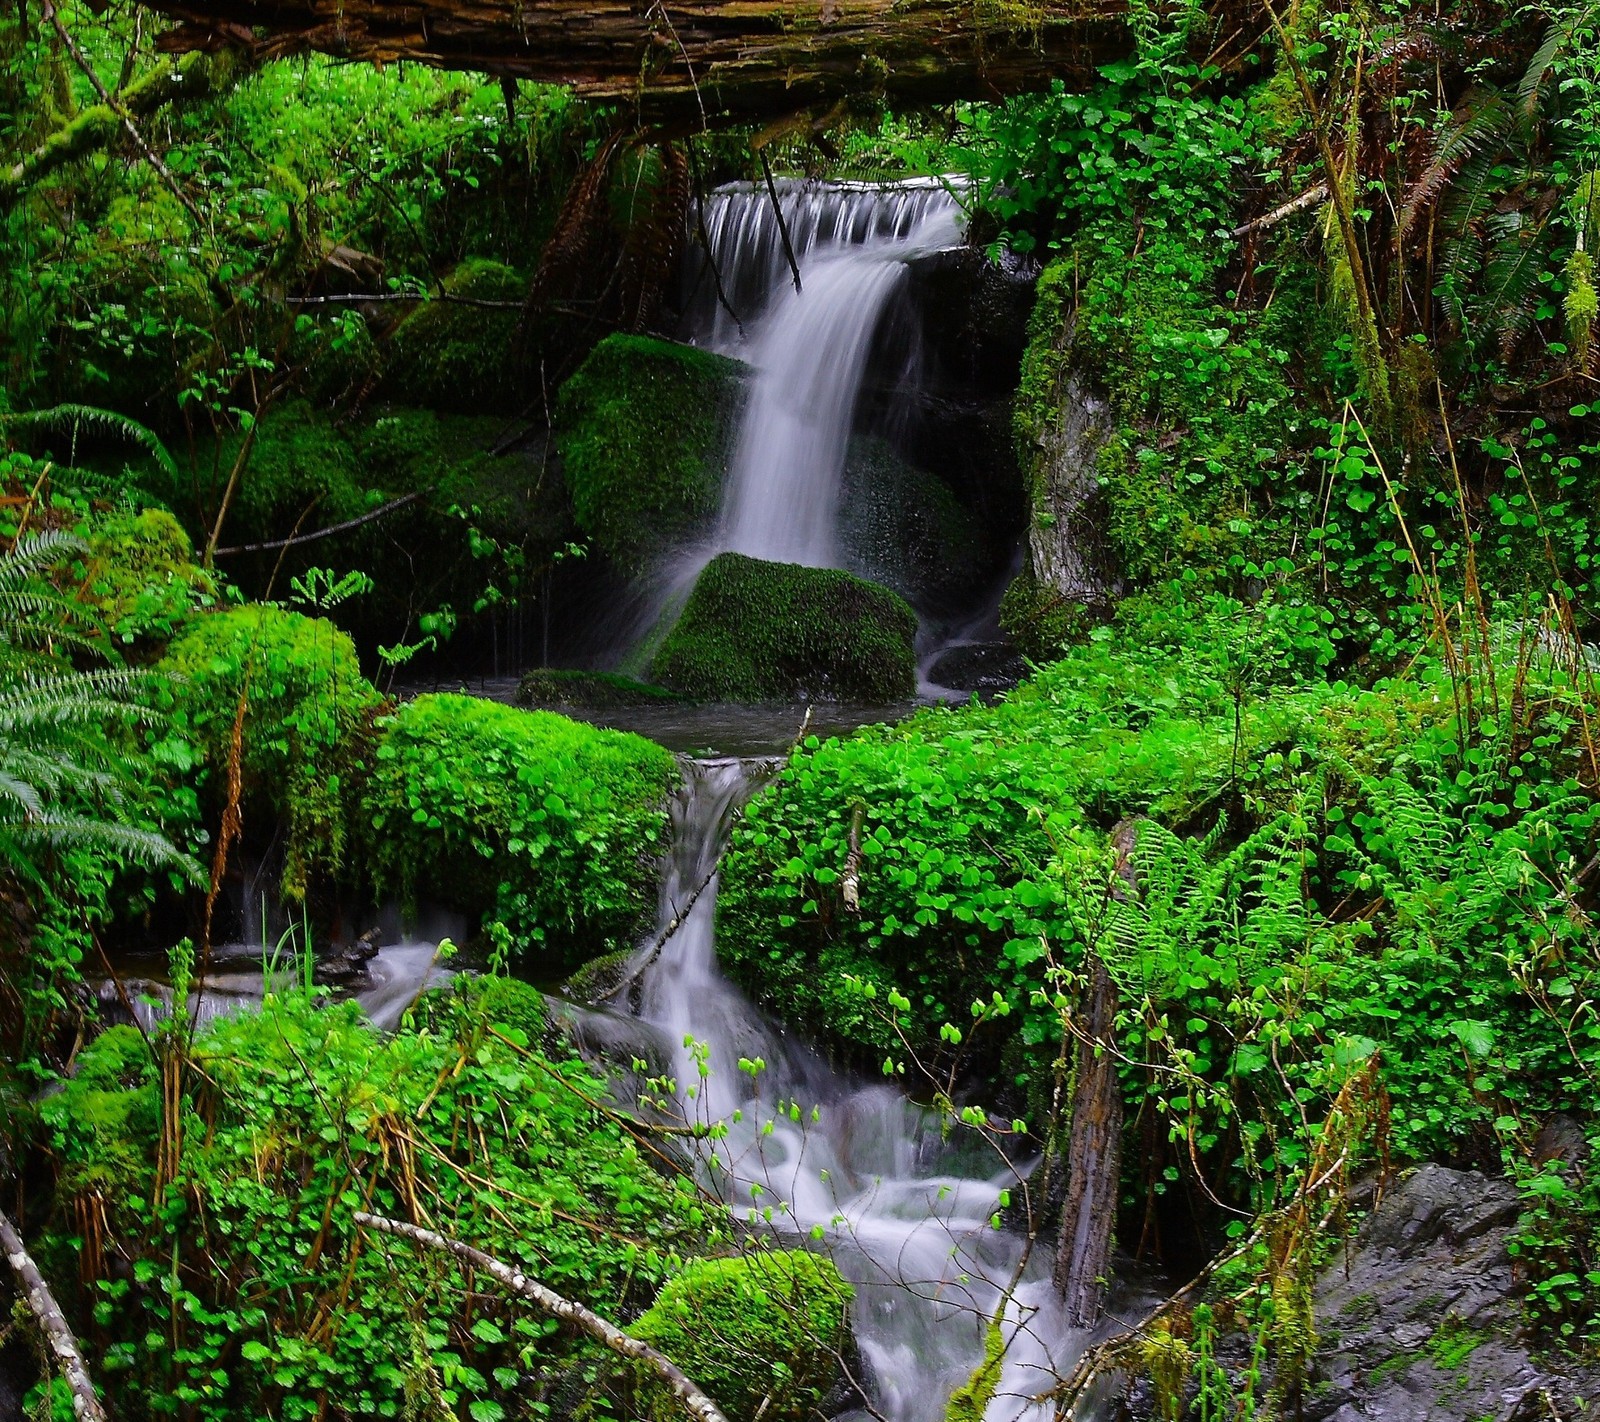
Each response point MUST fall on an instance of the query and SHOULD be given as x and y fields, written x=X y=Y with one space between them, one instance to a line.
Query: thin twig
x=783 y=226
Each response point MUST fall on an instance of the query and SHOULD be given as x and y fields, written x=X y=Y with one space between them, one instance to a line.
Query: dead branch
x=695 y=1402
x=371 y=514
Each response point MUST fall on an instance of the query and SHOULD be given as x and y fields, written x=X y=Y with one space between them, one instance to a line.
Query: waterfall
x=905 y=1212
x=809 y=348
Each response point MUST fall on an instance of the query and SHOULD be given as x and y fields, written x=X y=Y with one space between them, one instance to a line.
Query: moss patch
x=307 y=721
x=643 y=428
x=757 y=631
x=450 y=356
x=547 y=827
x=760 y=1333
x=549 y=689
x=141 y=577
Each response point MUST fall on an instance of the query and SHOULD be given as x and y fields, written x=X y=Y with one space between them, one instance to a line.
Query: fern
x=68 y=779
x=76 y=419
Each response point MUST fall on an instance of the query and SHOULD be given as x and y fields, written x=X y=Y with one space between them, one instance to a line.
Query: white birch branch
x=695 y=1402
x=53 y=1323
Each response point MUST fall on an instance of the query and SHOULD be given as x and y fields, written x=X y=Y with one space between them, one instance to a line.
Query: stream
x=904 y=1210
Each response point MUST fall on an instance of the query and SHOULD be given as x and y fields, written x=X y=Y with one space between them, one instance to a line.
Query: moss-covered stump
x=141 y=579
x=905 y=528
x=643 y=427
x=757 y=631
x=451 y=355
x=760 y=1333
x=546 y=827
x=552 y=689
x=307 y=722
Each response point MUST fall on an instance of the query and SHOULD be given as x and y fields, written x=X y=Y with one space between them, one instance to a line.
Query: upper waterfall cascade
x=809 y=346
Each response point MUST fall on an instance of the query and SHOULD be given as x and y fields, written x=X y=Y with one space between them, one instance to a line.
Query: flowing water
x=808 y=348
x=904 y=1211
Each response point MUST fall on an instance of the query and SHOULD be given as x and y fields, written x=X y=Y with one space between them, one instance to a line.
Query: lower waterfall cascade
x=907 y=1213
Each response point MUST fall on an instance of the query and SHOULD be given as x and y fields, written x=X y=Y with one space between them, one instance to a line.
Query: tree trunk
x=1094 y=1157
x=683 y=64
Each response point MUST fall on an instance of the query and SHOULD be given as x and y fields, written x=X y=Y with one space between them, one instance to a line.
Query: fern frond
x=71 y=419
x=1483 y=122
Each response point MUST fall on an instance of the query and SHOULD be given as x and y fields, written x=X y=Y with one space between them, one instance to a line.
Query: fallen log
x=52 y=1323
x=686 y=64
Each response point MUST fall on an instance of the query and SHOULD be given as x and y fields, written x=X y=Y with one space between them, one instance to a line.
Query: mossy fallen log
x=692 y=62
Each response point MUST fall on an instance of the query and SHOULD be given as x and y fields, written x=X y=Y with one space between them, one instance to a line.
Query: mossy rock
x=1039 y=620
x=307 y=726
x=757 y=631
x=760 y=1333
x=450 y=356
x=551 y=689
x=547 y=829
x=905 y=528
x=644 y=426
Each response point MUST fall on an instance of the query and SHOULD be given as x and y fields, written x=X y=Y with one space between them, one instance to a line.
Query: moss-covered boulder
x=757 y=631
x=545 y=826
x=643 y=427
x=449 y=355
x=141 y=579
x=307 y=722
x=760 y=1333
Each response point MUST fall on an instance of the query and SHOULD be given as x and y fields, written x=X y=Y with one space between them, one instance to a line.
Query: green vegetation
x=453 y=354
x=643 y=428
x=229 y=1279
x=754 y=631
x=1311 y=773
x=550 y=827
x=755 y=1330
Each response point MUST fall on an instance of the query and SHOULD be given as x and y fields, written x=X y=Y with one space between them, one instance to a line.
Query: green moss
x=141 y=577
x=298 y=460
x=1038 y=619
x=756 y=631
x=643 y=429
x=760 y=1333
x=1453 y=1344
x=106 y=1117
x=307 y=721
x=451 y=356
x=550 y=827
x=970 y=1401
x=550 y=689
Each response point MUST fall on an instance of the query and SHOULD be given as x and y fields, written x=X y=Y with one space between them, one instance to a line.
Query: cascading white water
x=904 y=1211
x=809 y=347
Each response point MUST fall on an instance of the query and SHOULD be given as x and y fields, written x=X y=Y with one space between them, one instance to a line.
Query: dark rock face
x=1420 y=1322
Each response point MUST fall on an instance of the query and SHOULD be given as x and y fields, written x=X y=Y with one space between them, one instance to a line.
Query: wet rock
x=1420 y=1320
x=347 y=967
x=979 y=666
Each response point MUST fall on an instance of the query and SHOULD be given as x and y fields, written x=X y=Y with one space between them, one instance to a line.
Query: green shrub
x=244 y=1289
x=451 y=356
x=758 y=1332
x=550 y=826
x=308 y=715
x=755 y=631
x=643 y=429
